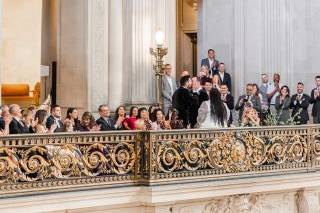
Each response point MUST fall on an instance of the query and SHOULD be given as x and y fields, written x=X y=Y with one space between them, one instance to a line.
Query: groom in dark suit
x=211 y=62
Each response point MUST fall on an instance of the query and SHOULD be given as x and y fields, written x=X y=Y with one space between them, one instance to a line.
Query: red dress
x=131 y=122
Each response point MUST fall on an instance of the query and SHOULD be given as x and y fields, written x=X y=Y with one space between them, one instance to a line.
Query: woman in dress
x=143 y=122
x=88 y=123
x=160 y=123
x=41 y=119
x=213 y=113
x=72 y=121
x=120 y=113
x=282 y=105
x=130 y=122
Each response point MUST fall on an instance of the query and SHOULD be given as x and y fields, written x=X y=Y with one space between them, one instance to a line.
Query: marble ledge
x=162 y=195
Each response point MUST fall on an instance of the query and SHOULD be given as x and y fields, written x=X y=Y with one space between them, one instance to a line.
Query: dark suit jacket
x=1 y=123
x=256 y=104
x=303 y=116
x=183 y=101
x=316 y=104
x=206 y=62
x=16 y=127
x=106 y=125
x=230 y=103
x=203 y=96
x=226 y=79
x=51 y=120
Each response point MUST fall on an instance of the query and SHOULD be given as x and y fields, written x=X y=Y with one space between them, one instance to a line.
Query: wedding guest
x=213 y=113
x=250 y=116
x=216 y=81
x=160 y=123
x=55 y=118
x=211 y=62
x=17 y=126
x=265 y=87
x=273 y=92
x=120 y=114
x=224 y=77
x=247 y=98
x=88 y=123
x=299 y=105
x=72 y=118
x=204 y=71
x=151 y=110
x=40 y=118
x=172 y=117
x=315 y=100
x=283 y=102
x=228 y=99
x=105 y=121
x=168 y=87
x=129 y=122
x=143 y=122
x=182 y=100
x=5 y=121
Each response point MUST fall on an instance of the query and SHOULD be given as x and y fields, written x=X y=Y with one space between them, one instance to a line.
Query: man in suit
x=210 y=62
x=315 y=100
x=55 y=119
x=299 y=105
x=168 y=87
x=17 y=126
x=182 y=100
x=224 y=77
x=227 y=98
x=248 y=98
x=105 y=121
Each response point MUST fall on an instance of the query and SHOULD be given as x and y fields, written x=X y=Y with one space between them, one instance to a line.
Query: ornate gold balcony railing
x=30 y=163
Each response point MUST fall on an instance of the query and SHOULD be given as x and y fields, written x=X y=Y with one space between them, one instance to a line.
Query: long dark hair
x=41 y=115
x=217 y=108
x=131 y=110
x=288 y=95
x=116 y=114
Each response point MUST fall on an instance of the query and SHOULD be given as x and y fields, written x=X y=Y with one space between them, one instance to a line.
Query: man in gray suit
x=168 y=87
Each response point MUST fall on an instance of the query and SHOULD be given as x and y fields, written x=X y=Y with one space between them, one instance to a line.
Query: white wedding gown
x=204 y=117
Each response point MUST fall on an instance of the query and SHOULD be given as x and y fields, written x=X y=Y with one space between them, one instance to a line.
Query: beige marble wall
x=21 y=41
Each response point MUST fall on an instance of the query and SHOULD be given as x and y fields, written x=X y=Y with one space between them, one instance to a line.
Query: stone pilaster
x=116 y=50
x=142 y=18
x=97 y=81
x=83 y=54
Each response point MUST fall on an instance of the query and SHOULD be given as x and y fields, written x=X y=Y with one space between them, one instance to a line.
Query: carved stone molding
x=308 y=201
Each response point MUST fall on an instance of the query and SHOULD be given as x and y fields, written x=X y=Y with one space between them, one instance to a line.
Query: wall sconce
x=159 y=52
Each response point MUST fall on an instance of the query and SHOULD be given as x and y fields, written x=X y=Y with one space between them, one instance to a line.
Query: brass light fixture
x=159 y=52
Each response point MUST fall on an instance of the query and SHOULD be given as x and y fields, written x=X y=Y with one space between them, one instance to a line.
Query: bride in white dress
x=213 y=113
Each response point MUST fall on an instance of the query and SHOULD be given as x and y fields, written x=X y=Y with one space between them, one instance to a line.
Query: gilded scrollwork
x=32 y=162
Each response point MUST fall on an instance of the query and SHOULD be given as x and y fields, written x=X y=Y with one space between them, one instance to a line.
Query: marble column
x=97 y=81
x=83 y=54
x=262 y=36
x=142 y=18
x=116 y=48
